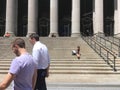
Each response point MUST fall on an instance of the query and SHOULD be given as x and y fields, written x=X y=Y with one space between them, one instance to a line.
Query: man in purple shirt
x=22 y=70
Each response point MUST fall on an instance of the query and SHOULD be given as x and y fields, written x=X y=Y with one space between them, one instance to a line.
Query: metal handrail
x=108 y=56
x=115 y=42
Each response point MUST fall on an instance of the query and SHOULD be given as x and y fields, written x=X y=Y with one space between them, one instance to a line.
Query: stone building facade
x=69 y=18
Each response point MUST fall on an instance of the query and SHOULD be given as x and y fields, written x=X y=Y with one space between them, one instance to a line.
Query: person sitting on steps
x=76 y=52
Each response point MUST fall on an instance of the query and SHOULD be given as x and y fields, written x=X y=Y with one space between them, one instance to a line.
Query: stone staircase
x=90 y=72
x=62 y=61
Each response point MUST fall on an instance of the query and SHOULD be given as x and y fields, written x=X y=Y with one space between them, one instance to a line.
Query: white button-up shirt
x=41 y=55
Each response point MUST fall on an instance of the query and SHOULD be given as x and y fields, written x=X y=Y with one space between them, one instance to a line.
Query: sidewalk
x=77 y=78
x=75 y=82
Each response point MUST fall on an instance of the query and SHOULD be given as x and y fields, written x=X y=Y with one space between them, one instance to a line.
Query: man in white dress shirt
x=41 y=58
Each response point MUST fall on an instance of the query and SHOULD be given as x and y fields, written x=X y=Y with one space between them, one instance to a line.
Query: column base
x=9 y=34
x=75 y=35
x=53 y=35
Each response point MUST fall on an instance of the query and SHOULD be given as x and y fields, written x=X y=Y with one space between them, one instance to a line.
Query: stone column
x=53 y=17
x=32 y=16
x=11 y=17
x=118 y=4
x=98 y=16
x=75 y=18
x=117 y=16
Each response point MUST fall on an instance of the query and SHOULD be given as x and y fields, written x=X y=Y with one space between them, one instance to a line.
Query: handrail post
x=107 y=57
x=114 y=65
x=105 y=43
x=119 y=49
x=113 y=40
x=100 y=51
x=111 y=46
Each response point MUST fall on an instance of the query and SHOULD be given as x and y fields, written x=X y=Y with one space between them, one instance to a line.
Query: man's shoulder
x=39 y=44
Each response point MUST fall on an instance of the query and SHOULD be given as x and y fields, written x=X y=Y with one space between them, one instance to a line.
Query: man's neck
x=22 y=51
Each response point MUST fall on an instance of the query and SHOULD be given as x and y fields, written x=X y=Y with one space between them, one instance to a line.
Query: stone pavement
x=81 y=82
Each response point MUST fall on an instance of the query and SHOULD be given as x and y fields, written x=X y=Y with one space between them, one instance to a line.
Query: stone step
x=63 y=60
x=80 y=65
x=69 y=63
x=4 y=65
x=5 y=62
x=72 y=71
x=71 y=68
x=66 y=63
x=4 y=68
x=82 y=72
x=3 y=71
x=57 y=64
x=67 y=59
x=81 y=61
x=83 y=86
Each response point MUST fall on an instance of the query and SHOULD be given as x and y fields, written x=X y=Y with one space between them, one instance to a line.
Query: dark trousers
x=41 y=83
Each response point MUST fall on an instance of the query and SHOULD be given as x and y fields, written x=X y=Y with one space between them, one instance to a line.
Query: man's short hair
x=20 y=42
x=35 y=36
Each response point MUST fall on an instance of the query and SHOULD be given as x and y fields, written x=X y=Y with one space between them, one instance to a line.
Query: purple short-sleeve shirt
x=23 y=67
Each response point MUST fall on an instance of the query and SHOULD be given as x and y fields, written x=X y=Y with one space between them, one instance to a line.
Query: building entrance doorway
x=65 y=27
x=87 y=25
x=109 y=26
x=2 y=17
x=44 y=27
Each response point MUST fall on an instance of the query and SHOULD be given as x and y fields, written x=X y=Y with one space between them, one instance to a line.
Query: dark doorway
x=22 y=17
x=44 y=17
x=2 y=16
x=65 y=27
x=86 y=17
x=109 y=17
x=65 y=17
x=44 y=25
